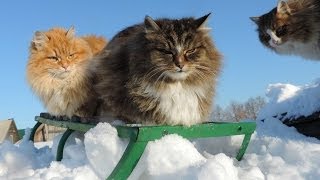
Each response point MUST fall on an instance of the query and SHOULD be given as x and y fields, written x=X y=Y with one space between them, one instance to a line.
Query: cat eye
x=191 y=51
x=53 y=58
x=71 y=55
x=165 y=51
x=282 y=30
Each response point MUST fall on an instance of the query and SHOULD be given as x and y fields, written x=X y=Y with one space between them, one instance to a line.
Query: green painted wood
x=123 y=131
x=244 y=145
x=127 y=132
x=140 y=135
x=33 y=131
x=150 y=133
x=62 y=142
x=66 y=124
x=128 y=160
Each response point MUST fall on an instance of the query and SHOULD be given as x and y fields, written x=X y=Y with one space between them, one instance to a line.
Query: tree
x=217 y=114
x=253 y=106
x=238 y=111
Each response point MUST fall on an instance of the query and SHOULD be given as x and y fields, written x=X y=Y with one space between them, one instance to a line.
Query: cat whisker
x=54 y=75
x=201 y=75
x=153 y=72
x=163 y=80
x=203 y=68
x=161 y=75
x=154 y=69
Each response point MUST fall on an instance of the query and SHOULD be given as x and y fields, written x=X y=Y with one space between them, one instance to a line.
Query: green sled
x=140 y=135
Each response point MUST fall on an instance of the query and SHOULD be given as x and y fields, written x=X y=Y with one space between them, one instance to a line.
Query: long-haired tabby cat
x=58 y=73
x=293 y=27
x=159 y=72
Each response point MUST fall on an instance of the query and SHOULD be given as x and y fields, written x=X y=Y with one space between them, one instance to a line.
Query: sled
x=140 y=135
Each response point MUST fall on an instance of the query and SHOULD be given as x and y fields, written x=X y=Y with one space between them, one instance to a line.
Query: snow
x=275 y=152
x=104 y=153
x=294 y=100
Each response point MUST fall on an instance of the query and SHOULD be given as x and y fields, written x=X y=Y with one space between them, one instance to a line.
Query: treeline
x=236 y=111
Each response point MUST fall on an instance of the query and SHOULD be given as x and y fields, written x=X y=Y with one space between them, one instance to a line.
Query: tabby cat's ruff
x=159 y=72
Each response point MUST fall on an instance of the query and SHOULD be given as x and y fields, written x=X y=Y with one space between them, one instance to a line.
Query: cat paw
x=75 y=118
x=46 y=115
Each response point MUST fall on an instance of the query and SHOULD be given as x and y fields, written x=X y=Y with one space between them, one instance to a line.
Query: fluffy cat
x=159 y=72
x=58 y=73
x=292 y=28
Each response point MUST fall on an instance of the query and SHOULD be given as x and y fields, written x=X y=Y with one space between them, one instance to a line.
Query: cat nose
x=180 y=65
x=65 y=66
x=179 y=62
x=277 y=42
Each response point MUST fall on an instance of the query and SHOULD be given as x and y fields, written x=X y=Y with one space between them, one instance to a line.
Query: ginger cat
x=57 y=71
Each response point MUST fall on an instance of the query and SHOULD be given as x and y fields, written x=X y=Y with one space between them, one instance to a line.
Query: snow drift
x=276 y=152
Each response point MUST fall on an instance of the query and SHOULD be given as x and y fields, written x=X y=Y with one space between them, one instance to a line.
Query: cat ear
x=201 y=23
x=255 y=19
x=150 y=24
x=39 y=39
x=283 y=7
x=71 y=32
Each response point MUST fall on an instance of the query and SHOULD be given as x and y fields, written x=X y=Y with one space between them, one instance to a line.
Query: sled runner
x=140 y=135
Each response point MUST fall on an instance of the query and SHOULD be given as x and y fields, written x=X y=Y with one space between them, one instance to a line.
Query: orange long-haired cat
x=58 y=73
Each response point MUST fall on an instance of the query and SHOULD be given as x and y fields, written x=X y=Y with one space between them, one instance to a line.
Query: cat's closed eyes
x=292 y=28
x=161 y=71
x=57 y=71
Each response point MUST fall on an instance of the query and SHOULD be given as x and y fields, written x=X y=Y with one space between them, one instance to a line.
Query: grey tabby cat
x=159 y=72
x=292 y=28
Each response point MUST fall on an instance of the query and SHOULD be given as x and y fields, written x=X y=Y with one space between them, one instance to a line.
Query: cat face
x=57 y=52
x=178 y=49
x=284 y=27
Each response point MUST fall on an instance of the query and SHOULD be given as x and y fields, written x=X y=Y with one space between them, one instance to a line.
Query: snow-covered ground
x=276 y=152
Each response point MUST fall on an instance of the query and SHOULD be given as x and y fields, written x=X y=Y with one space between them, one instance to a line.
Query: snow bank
x=275 y=152
x=104 y=148
x=294 y=100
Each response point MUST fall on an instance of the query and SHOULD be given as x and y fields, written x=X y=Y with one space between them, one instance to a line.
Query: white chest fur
x=59 y=104
x=66 y=96
x=180 y=104
x=310 y=50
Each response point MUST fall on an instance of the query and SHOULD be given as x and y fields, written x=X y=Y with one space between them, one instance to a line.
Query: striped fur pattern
x=161 y=71
x=292 y=28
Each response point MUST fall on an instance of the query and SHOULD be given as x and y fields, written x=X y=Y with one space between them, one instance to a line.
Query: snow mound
x=294 y=100
x=162 y=158
x=104 y=148
x=275 y=152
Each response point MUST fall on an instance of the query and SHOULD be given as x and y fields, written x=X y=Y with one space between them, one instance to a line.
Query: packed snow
x=294 y=100
x=275 y=152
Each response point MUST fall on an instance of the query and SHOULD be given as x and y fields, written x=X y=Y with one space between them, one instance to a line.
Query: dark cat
x=159 y=72
x=292 y=28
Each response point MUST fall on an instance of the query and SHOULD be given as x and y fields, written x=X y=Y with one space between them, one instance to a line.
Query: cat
x=292 y=28
x=57 y=71
x=161 y=71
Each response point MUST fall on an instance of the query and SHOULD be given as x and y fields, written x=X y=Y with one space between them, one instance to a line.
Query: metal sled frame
x=140 y=135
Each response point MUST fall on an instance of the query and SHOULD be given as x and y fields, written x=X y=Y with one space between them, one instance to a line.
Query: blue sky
x=248 y=66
